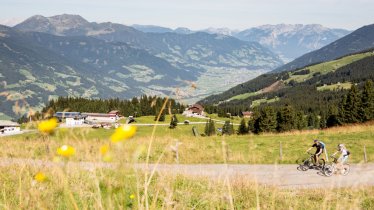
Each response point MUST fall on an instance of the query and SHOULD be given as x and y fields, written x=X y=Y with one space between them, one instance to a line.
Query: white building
x=71 y=121
x=101 y=118
x=9 y=127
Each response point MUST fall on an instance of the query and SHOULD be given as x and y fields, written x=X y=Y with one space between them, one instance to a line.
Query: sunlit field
x=59 y=183
x=244 y=149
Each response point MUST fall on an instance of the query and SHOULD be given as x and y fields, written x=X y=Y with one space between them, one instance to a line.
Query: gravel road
x=285 y=176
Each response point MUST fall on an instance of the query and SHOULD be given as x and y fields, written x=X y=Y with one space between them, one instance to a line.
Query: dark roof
x=69 y=115
x=7 y=123
x=198 y=106
x=99 y=114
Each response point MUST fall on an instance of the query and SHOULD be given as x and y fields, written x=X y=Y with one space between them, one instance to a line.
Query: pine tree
x=267 y=122
x=210 y=128
x=173 y=122
x=352 y=106
x=300 y=121
x=367 y=101
x=322 y=120
x=243 y=129
x=286 y=119
x=228 y=128
x=332 y=117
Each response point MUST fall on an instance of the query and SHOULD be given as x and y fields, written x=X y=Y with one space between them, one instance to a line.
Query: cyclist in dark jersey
x=319 y=150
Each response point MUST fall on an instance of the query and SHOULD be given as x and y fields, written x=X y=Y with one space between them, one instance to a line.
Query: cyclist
x=344 y=154
x=320 y=146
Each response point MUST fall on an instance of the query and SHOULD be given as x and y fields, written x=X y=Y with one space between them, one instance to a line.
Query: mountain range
x=286 y=40
x=348 y=60
x=361 y=39
x=65 y=55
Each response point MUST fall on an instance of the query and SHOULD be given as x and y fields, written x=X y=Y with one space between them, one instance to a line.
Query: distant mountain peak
x=68 y=19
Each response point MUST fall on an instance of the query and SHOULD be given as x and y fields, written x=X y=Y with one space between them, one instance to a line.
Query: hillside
x=65 y=55
x=197 y=50
x=36 y=67
x=359 y=40
x=205 y=57
x=311 y=88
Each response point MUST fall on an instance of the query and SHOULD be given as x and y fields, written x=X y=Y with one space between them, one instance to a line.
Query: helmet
x=340 y=146
x=315 y=140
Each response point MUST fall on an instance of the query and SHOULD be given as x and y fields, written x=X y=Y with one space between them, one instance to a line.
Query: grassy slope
x=322 y=68
x=346 y=85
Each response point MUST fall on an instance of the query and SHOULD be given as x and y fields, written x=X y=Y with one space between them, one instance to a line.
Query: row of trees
x=355 y=107
x=143 y=106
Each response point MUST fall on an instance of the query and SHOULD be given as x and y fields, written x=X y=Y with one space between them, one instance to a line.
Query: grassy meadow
x=241 y=149
x=66 y=186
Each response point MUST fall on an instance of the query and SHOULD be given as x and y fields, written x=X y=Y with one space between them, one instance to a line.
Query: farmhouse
x=247 y=114
x=71 y=118
x=111 y=117
x=9 y=127
x=195 y=110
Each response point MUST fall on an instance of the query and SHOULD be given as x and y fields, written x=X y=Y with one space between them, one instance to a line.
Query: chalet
x=195 y=110
x=247 y=114
x=9 y=127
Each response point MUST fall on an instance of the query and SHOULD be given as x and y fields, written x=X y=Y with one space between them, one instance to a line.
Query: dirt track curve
x=285 y=176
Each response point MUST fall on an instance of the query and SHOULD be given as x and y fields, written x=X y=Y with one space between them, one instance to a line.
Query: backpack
x=348 y=153
x=323 y=144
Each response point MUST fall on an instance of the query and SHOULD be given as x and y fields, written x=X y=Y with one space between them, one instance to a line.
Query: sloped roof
x=8 y=123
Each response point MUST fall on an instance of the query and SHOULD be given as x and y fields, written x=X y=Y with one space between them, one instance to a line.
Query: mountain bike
x=333 y=167
x=309 y=163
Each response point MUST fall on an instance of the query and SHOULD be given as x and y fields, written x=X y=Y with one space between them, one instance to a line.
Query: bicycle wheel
x=345 y=170
x=306 y=165
x=328 y=170
x=321 y=163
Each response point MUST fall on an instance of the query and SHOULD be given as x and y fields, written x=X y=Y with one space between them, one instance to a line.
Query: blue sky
x=199 y=14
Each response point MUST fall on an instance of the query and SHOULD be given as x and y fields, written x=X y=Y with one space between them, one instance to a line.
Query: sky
x=199 y=14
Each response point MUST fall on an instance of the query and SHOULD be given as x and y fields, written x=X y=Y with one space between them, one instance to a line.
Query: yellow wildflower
x=66 y=151
x=123 y=132
x=104 y=149
x=40 y=177
x=108 y=157
x=47 y=126
x=132 y=196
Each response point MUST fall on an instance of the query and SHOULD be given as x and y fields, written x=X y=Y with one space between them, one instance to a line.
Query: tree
x=162 y=116
x=228 y=128
x=267 y=122
x=243 y=129
x=300 y=121
x=286 y=119
x=322 y=120
x=210 y=128
x=173 y=122
x=332 y=117
x=367 y=102
x=352 y=106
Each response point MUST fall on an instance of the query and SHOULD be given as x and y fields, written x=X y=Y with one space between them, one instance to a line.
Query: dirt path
x=286 y=176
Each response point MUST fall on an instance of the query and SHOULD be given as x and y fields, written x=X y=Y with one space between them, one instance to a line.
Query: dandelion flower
x=47 y=126
x=132 y=196
x=123 y=132
x=40 y=177
x=66 y=151
x=104 y=149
